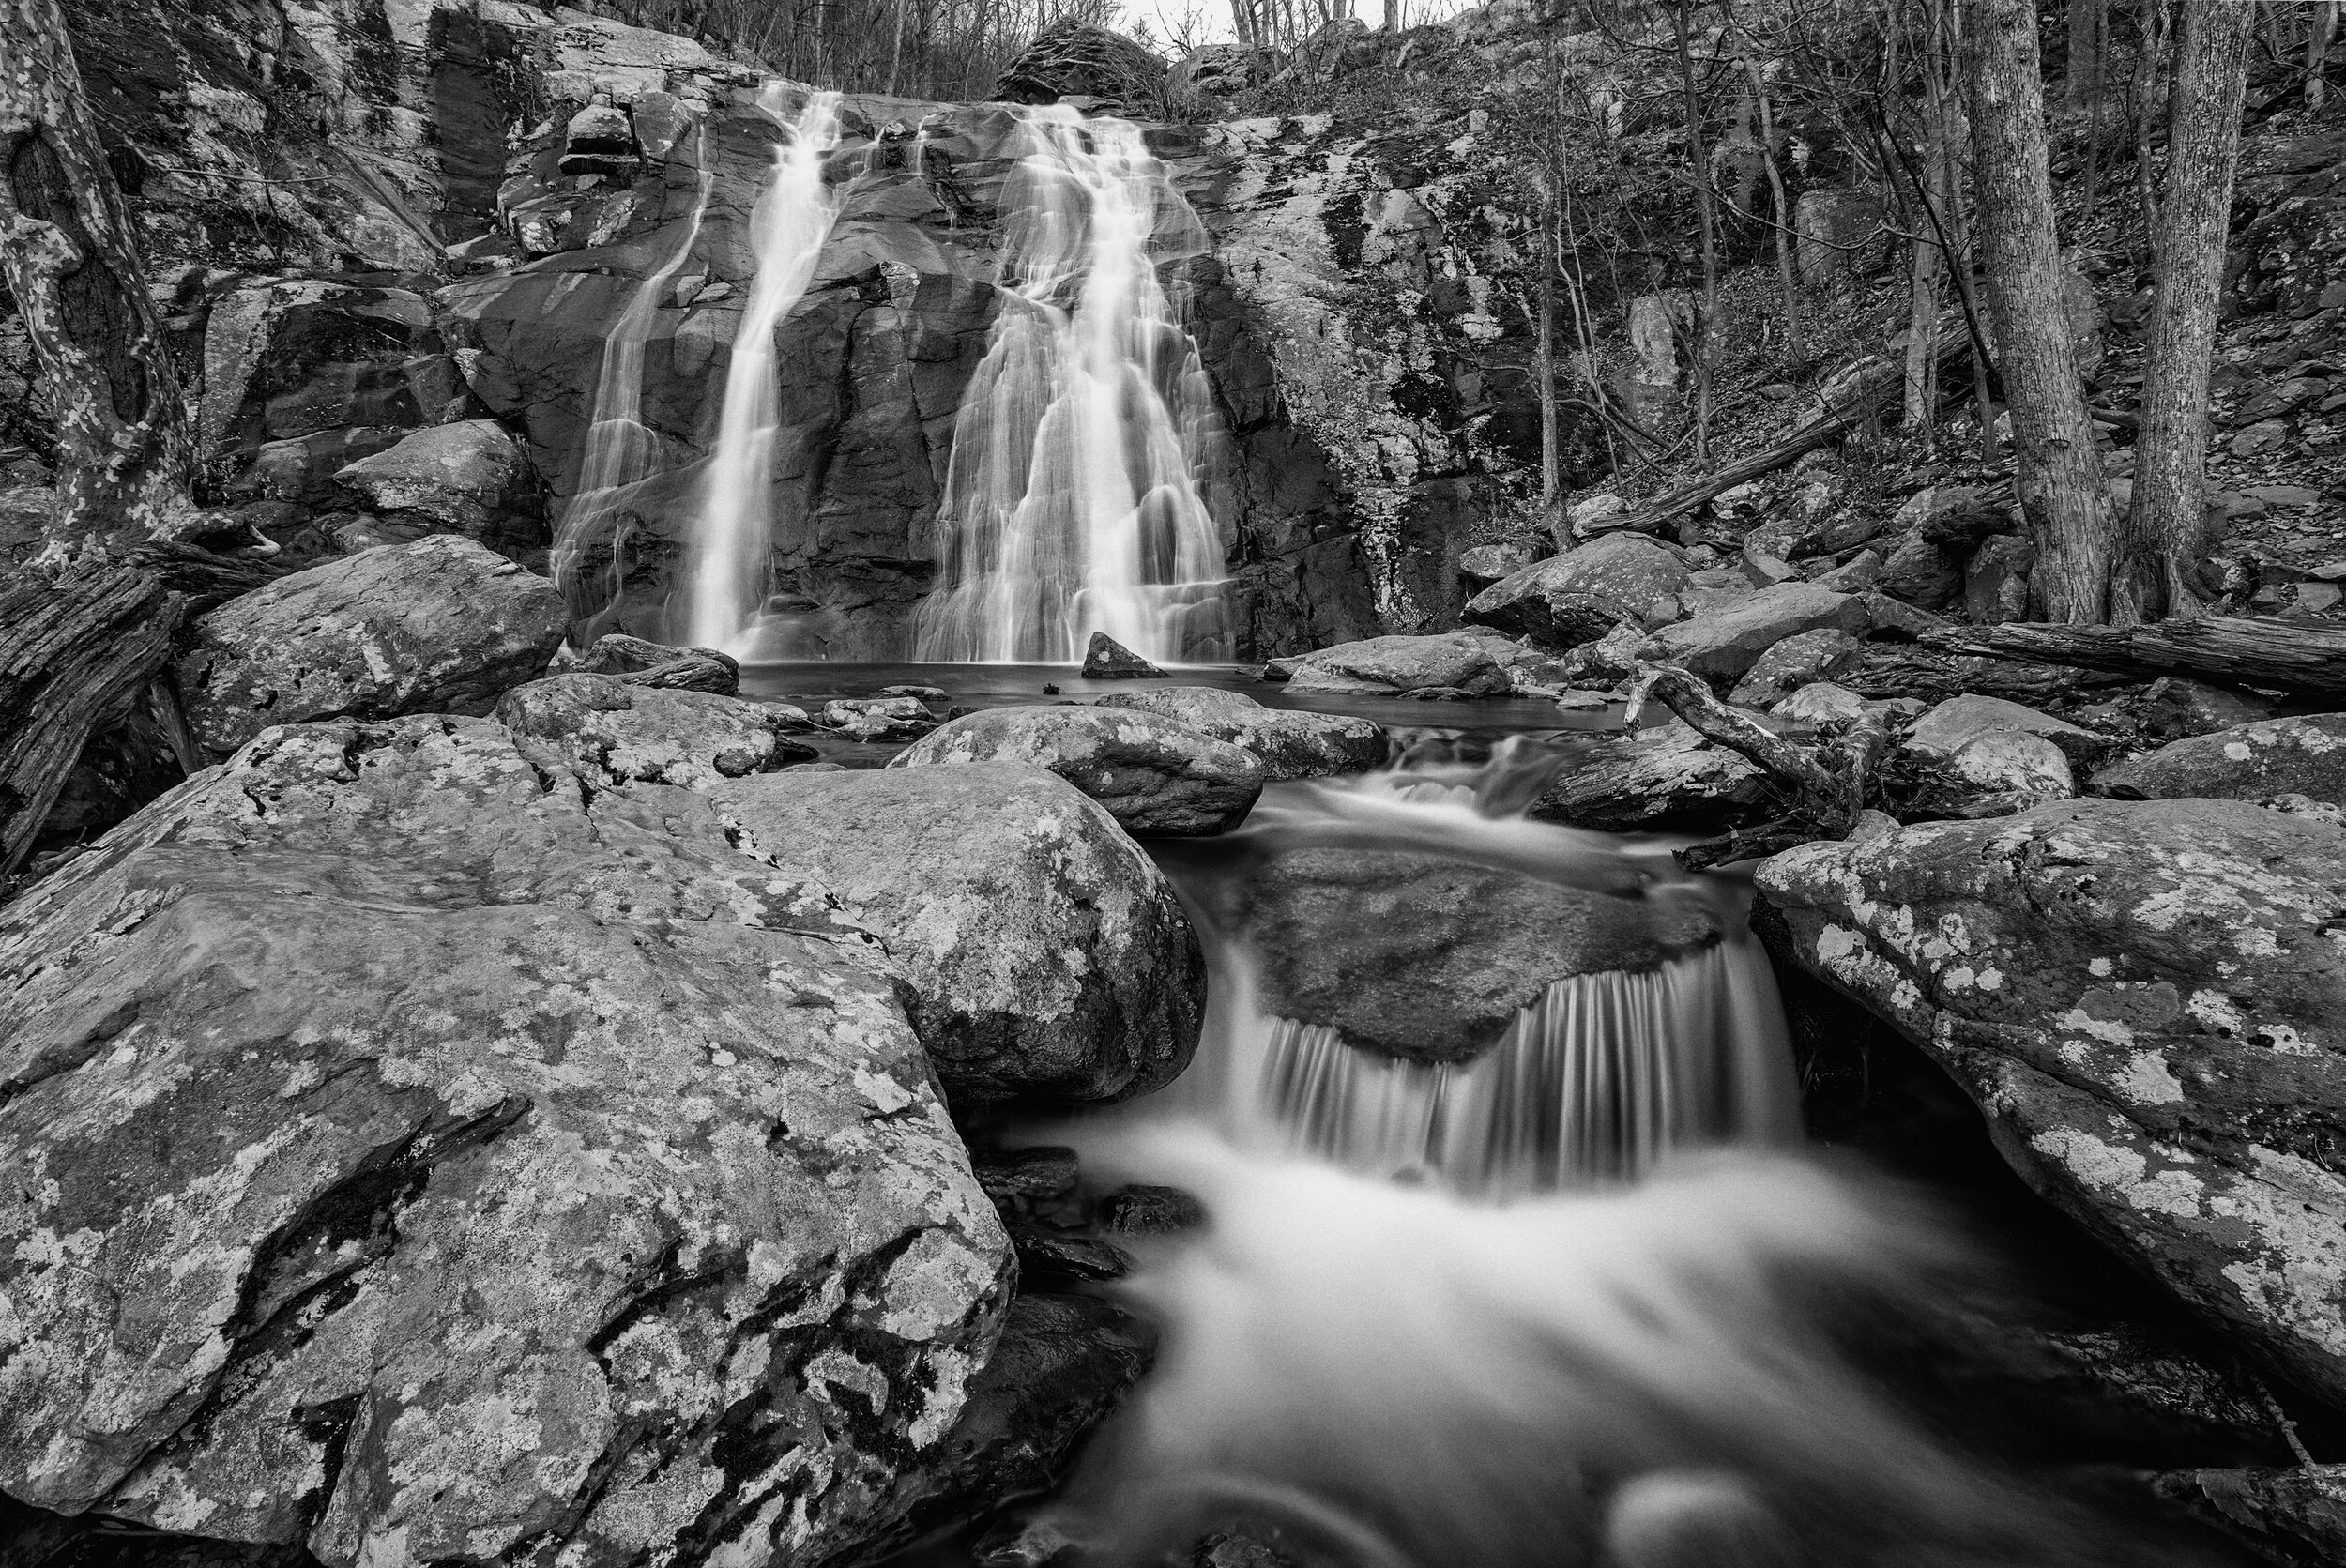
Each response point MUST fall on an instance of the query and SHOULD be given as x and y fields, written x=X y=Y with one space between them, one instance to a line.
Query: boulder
x=439 y=626
x=1995 y=580
x=1430 y=959
x=642 y=662
x=1797 y=661
x=1155 y=777
x=1047 y=953
x=1821 y=703
x=2174 y=708
x=469 y=477
x=1073 y=59
x=412 y=1140
x=879 y=718
x=2276 y=757
x=1485 y=564
x=1955 y=724
x=2013 y=763
x=2293 y=1516
x=632 y=734
x=1919 y=572
x=1107 y=659
x=1581 y=595
x=1452 y=660
x=1666 y=777
x=1291 y=745
x=2144 y=1000
x=1724 y=645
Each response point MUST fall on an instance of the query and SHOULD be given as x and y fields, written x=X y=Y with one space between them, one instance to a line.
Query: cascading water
x=726 y=573
x=621 y=453
x=1074 y=496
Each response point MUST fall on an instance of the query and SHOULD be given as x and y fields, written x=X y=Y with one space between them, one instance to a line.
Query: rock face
x=625 y=733
x=1429 y=958
x=1453 y=660
x=440 y=625
x=1290 y=745
x=419 y=1128
x=1049 y=956
x=470 y=479
x=1153 y=775
x=2278 y=757
x=1578 y=596
x=2144 y=1001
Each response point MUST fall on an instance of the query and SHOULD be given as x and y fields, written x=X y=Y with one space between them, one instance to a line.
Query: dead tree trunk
x=71 y=262
x=2163 y=535
x=2253 y=650
x=2057 y=469
x=75 y=655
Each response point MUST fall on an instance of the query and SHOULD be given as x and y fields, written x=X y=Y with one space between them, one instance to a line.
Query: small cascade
x=621 y=453
x=1074 y=498
x=725 y=578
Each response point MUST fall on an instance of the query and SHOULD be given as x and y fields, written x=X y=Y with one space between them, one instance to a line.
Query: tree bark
x=2163 y=533
x=2318 y=33
x=71 y=262
x=2057 y=469
x=1698 y=153
x=2287 y=655
x=2083 y=77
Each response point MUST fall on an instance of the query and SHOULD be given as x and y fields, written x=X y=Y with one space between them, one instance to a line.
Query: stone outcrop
x=621 y=733
x=2143 y=1000
x=1155 y=776
x=1289 y=744
x=419 y=1127
x=1048 y=954
x=440 y=625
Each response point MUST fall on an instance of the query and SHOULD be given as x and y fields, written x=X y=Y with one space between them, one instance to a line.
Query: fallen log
x=76 y=654
x=2234 y=651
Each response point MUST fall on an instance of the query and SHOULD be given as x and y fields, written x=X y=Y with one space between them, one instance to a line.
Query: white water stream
x=1075 y=495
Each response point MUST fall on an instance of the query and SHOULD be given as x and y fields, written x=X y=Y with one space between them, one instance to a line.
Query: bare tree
x=2057 y=473
x=2162 y=536
x=70 y=260
x=1706 y=217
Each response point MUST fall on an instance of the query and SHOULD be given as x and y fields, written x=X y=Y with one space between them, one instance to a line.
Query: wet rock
x=471 y=478
x=1144 y=1211
x=1291 y=745
x=1797 y=661
x=1400 y=664
x=1048 y=955
x=1581 y=595
x=2174 y=708
x=440 y=625
x=1108 y=659
x=1155 y=777
x=641 y=662
x=1055 y=1253
x=1665 y=777
x=1958 y=721
x=1429 y=958
x=2295 y=1517
x=428 y=1093
x=1018 y=1179
x=2144 y=1000
x=2276 y=757
x=624 y=733
x=1724 y=645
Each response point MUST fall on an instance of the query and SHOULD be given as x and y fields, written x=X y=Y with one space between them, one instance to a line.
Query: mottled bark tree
x=67 y=250
x=2057 y=471
x=2162 y=536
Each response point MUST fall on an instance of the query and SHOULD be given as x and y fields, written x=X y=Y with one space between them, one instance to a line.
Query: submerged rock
x=1578 y=596
x=2144 y=1000
x=630 y=734
x=1154 y=776
x=1048 y=954
x=414 y=1145
x=441 y=625
x=1291 y=745
x=2278 y=757
x=1108 y=659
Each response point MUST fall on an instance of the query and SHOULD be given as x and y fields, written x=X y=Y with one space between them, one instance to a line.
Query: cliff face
x=376 y=216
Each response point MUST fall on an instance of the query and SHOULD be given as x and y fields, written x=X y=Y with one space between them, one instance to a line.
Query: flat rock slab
x=1049 y=956
x=418 y=1127
x=634 y=734
x=2146 y=1000
x=2276 y=756
x=1291 y=745
x=1153 y=775
x=439 y=626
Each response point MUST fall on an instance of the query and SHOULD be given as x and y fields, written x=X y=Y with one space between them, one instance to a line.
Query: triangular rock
x=1108 y=659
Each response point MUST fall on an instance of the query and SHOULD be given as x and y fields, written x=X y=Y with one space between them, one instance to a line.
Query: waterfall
x=1072 y=495
x=620 y=451
x=726 y=573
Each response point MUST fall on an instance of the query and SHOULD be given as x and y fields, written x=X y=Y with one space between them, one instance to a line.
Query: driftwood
x=76 y=654
x=2264 y=651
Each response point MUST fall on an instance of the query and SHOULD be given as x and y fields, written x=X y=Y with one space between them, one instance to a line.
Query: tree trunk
x=69 y=258
x=2318 y=33
x=2058 y=472
x=2084 y=76
x=2251 y=651
x=1784 y=276
x=2163 y=535
x=1698 y=153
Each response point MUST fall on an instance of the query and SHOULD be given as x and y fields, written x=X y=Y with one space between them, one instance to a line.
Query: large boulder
x=1951 y=725
x=2277 y=756
x=635 y=734
x=1449 y=661
x=1575 y=598
x=470 y=478
x=1048 y=954
x=2145 y=1000
x=439 y=626
x=419 y=1130
x=1291 y=745
x=1664 y=777
x=1430 y=959
x=1154 y=776
x=1723 y=646
x=1077 y=59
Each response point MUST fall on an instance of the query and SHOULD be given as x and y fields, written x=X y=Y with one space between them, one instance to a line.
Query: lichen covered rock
x=1291 y=745
x=627 y=733
x=1154 y=776
x=1622 y=579
x=430 y=1157
x=2277 y=756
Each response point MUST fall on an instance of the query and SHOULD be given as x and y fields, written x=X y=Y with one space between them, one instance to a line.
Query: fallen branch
x=2238 y=650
